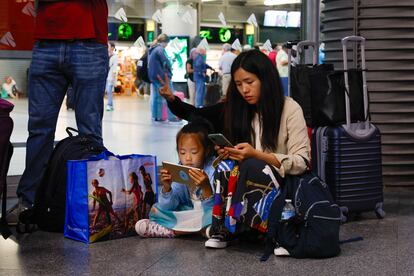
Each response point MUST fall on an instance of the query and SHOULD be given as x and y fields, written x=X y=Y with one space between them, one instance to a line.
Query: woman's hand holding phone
x=238 y=153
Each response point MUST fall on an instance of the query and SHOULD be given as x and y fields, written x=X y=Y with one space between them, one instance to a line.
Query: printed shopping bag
x=105 y=198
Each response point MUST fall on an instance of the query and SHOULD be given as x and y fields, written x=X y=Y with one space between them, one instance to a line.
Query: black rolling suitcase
x=213 y=90
x=348 y=157
x=6 y=151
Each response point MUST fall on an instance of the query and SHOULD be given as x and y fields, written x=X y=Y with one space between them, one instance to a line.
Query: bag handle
x=102 y=156
x=69 y=131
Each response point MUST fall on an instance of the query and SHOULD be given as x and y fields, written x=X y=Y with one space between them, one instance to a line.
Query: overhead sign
x=221 y=35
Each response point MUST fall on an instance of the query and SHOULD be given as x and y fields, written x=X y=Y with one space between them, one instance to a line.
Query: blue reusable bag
x=106 y=195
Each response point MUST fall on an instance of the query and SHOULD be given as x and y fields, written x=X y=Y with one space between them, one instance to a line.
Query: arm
x=298 y=147
x=171 y=200
x=110 y=196
x=213 y=113
x=94 y=201
x=298 y=144
x=189 y=68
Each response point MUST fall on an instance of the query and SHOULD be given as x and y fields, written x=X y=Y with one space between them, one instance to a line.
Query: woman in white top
x=9 y=88
x=270 y=140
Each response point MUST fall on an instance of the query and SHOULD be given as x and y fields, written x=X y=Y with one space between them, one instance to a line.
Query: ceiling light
x=281 y=2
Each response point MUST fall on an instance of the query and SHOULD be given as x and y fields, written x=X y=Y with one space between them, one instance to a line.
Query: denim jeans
x=54 y=66
x=200 y=89
x=109 y=87
x=157 y=101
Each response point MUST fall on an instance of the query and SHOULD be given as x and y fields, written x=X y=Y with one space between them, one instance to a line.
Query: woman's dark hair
x=202 y=128
x=142 y=169
x=239 y=114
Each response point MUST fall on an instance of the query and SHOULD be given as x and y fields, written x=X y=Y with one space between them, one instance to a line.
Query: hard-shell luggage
x=348 y=157
x=6 y=151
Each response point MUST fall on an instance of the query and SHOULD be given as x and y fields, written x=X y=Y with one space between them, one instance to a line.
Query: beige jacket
x=293 y=142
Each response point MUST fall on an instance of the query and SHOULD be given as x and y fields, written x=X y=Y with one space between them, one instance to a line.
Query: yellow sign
x=150 y=25
x=249 y=29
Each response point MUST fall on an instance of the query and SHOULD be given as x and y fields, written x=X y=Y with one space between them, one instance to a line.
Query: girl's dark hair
x=134 y=177
x=239 y=114
x=202 y=128
x=142 y=168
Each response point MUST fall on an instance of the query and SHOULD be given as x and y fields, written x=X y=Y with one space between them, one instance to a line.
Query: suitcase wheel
x=344 y=213
x=379 y=211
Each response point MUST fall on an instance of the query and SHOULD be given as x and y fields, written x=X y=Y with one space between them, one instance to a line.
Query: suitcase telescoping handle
x=302 y=45
x=361 y=40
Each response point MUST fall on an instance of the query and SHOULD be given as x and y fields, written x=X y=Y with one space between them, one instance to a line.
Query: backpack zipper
x=328 y=218
x=313 y=205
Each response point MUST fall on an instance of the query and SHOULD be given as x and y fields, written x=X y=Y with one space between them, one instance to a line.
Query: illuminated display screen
x=221 y=35
x=178 y=57
x=125 y=31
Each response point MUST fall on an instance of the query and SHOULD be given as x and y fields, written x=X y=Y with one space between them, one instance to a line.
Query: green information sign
x=250 y=40
x=206 y=34
x=224 y=35
x=124 y=31
x=150 y=36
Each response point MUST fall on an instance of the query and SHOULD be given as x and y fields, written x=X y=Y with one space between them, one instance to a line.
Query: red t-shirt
x=75 y=19
x=272 y=56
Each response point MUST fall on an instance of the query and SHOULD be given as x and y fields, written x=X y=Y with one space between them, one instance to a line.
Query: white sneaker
x=217 y=241
x=149 y=229
x=281 y=252
x=109 y=108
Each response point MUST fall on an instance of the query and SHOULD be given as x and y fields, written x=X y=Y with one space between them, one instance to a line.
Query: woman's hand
x=201 y=180
x=165 y=90
x=166 y=180
x=222 y=152
x=241 y=151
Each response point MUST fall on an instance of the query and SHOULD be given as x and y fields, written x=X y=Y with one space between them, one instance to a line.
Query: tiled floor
x=387 y=247
x=127 y=129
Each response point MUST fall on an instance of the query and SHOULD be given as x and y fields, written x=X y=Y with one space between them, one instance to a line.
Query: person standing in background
x=282 y=67
x=225 y=62
x=70 y=48
x=112 y=74
x=273 y=54
x=200 y=67
x=159 y=65
x=190 y=77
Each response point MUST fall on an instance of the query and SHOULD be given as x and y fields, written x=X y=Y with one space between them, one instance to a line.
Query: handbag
x=328 y=105
x=301 y=87
x=107 y=196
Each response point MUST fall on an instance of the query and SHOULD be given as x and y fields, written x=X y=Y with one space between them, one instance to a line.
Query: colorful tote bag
x=105 y=198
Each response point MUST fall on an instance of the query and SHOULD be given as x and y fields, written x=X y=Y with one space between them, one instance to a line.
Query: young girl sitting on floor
x=182 y=209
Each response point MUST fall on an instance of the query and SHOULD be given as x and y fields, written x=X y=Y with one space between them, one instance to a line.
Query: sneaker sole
x=216 y=245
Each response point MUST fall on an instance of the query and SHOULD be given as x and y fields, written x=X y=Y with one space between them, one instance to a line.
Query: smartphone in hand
x=219 y=140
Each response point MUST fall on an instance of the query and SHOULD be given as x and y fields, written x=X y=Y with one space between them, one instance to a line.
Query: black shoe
x=217 y=241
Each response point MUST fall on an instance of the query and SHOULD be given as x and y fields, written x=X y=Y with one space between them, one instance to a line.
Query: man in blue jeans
x=159 y=65
x=70 y=48
x=200 y=67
